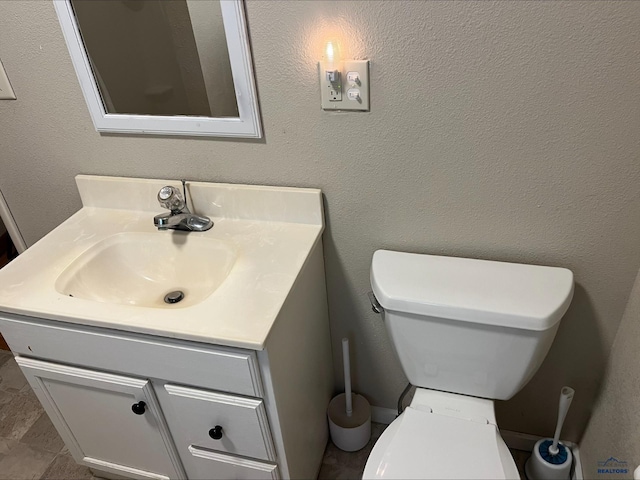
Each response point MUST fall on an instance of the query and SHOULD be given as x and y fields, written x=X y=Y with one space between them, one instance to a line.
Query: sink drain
x=174 y=297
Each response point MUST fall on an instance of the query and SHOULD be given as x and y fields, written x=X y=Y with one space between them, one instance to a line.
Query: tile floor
x=340 y=465
x=30 y=447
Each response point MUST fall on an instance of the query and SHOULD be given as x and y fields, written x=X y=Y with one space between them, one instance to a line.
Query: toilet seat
x=424 y=445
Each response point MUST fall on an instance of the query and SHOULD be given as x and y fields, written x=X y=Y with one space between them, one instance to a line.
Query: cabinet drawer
x=219 y=368
x=207 y=465
x=195 y=414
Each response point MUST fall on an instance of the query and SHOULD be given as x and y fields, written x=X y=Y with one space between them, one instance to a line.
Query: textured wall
x=505 y=131
x=614 y=425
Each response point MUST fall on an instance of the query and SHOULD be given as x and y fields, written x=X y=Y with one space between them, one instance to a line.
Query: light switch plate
x=355 y=94
x=6 y=92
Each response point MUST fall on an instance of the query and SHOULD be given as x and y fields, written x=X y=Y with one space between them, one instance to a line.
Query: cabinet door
x=109 y=422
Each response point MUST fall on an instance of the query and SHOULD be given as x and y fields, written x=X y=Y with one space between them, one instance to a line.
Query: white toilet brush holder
x=349 y=413
x=550 y=459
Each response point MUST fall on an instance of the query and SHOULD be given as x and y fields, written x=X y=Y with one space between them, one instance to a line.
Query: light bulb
x=332 y=54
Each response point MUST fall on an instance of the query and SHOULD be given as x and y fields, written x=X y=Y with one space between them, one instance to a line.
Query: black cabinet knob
x=216 y=432
x=138 y=408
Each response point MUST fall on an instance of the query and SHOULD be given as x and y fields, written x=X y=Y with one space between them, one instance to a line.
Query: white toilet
x=466 y=332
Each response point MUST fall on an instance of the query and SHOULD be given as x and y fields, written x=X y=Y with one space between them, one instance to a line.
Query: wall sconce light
x=336 y=74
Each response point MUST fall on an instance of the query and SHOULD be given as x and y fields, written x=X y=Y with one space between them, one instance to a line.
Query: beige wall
x=615 y=423
x=503 y=130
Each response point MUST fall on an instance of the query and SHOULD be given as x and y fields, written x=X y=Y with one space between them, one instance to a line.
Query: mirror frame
x=247 y=125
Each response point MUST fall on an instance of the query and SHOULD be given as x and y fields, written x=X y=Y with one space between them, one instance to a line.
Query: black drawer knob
x=216 y=432
x=138 y=408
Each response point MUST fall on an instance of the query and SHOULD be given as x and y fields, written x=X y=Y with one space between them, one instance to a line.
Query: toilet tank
x=468 y=326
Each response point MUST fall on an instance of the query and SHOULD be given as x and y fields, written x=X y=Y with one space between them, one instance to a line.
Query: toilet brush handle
x=347 y=375
x=566 y=395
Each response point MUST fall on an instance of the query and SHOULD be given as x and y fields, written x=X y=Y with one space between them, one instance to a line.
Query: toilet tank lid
x=529 y=297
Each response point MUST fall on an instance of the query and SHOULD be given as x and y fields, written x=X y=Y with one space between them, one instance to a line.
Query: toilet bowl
x=466 y=332
x=442 y=435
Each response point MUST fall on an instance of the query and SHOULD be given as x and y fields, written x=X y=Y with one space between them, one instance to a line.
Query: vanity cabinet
x=146 y=407
x=117 y=424
x=270 y=404
x=151 y=408
x=234 y=384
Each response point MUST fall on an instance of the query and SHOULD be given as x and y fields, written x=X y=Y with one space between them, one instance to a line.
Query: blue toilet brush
x=550 y=459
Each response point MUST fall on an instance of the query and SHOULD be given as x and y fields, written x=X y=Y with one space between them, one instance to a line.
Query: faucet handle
x=165 y=193
x=171 y=198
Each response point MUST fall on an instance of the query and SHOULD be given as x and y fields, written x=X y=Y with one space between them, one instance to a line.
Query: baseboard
x=526 y=442
x=383 y=415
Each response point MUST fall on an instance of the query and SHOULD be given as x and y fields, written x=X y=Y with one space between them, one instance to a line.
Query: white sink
x=108 y=267
x=140 y=269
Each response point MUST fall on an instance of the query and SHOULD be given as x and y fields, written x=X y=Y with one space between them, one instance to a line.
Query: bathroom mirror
x=178 y=67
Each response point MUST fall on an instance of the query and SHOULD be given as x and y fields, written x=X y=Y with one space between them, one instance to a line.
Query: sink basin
x=141 y=269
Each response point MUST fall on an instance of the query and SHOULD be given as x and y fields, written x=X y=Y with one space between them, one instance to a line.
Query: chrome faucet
x=179 y=216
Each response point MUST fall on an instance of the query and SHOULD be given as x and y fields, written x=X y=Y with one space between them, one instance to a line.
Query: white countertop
x=273 y=229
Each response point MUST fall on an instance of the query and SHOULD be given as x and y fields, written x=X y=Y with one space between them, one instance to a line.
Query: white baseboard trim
x=526 y=442
x=383 y=415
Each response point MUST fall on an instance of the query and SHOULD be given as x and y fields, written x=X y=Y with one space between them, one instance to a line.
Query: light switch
x=353 y=94
x=6 y=92
x=353 y=78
